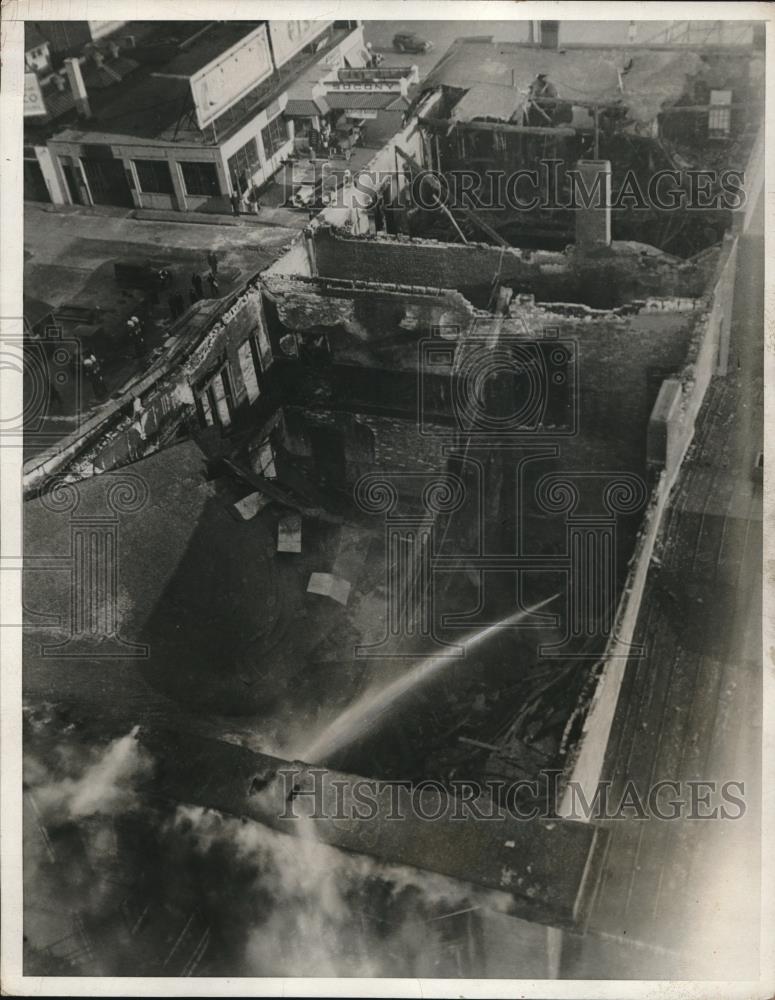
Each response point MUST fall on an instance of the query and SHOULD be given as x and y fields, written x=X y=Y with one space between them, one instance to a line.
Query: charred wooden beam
x=475 y=126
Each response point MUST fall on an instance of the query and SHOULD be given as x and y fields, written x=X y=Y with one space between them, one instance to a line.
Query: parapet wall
x=671 y=429
x=626 y=271
x=151 y=407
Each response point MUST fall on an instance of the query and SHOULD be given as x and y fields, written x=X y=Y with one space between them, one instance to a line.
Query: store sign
x=288 y=37
x=372 y=86
x=33 y=96
x=225 y=80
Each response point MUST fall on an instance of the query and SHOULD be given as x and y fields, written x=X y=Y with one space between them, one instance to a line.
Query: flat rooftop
x=642 y=78
x=213 y=41
x=158 y=108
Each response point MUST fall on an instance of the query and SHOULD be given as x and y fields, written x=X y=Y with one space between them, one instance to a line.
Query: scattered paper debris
x=328 y=585
x=251 y=505
x=289 y=533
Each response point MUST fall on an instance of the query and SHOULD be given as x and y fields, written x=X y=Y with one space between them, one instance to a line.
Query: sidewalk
x=287 y=218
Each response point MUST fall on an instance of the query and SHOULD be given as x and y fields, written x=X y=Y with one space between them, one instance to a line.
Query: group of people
x=92 y=370
x=196 y=289
x=136 y=333
x=328 y=142
x=135 y=328
x=251 y=200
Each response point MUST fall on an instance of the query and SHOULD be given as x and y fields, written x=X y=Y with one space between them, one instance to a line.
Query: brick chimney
x=78 y=87
x=593 y=220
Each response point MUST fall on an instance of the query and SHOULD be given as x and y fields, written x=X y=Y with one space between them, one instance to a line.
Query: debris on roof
x=488 y=100
x=643 y=79
x=328 y=585
x=289 y=533
x=252 y=504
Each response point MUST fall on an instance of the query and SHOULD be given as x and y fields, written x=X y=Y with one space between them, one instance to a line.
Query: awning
x=305 y=108
x=358 y=101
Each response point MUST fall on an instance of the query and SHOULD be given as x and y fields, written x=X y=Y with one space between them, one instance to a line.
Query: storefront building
x=208 y=124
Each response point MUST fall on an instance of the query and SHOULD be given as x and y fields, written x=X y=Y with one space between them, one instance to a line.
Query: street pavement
x=444 y=32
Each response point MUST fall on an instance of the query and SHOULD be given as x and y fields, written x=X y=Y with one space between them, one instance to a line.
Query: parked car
x=409 y=41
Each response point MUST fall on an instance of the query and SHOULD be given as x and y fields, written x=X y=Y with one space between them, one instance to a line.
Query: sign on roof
x=33 y=96
x=288 y=37
x=383 y=86
x=232 y=75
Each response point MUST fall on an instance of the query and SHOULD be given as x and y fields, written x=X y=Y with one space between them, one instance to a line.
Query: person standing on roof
x=137 y=336
x=197 y=285
x=93 y=372
x=542 y=101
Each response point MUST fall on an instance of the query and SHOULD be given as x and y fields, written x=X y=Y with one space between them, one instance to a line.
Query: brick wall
x=622 y=361
x=606 y=278
x=369 y=443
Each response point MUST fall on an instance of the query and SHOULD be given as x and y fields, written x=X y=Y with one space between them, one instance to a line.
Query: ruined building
x=434 y=409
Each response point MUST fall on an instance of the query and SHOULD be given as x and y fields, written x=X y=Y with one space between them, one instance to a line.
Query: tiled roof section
x=58 y=103
x=399 y=104
x=110 y=72
x=357 y=101
x=305 y=108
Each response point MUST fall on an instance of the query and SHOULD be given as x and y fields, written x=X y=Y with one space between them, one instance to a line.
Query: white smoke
x=103 y=785
x=66 y=782
x=306 y=913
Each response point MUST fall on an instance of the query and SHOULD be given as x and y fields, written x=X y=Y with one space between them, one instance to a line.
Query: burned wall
x=607 y=278
x=365 y=325
x=335 y=444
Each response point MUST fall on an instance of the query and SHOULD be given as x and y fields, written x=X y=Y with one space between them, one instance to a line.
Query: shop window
x=249 y=369
x=154 y=176
x=275 y=135
x=242 y=165
x=720 y=115
x=215 y=400
x=200 y=178
x=205 y=409
x=262 y=460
